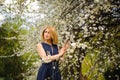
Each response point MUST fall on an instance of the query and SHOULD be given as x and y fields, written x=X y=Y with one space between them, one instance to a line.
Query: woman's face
x=47 y=35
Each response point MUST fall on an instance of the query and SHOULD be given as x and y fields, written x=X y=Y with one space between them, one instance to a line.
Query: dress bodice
x=49 y=69
x=50 y=49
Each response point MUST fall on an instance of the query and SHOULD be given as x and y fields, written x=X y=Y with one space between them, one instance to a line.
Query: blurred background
x=92 y=26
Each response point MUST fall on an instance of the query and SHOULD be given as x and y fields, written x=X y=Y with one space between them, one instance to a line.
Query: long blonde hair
x=53 y=33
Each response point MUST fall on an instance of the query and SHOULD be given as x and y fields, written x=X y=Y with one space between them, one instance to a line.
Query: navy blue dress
x=49 y=71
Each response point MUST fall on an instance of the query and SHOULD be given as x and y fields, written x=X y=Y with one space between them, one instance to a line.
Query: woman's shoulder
x=39 y=44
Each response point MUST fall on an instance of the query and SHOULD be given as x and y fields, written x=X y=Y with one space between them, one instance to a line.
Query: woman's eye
x=46 y=32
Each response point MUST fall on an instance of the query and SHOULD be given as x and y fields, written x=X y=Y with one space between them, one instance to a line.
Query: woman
x=50 y=54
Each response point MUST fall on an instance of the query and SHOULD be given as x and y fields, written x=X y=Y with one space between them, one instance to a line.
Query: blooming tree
x=92 y=26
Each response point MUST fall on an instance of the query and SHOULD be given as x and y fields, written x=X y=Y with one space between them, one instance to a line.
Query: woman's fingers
x=67 y=45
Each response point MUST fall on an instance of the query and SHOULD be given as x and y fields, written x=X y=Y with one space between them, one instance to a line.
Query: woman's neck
x=48 y=42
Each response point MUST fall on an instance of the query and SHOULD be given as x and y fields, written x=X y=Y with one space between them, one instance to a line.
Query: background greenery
x=92 y=26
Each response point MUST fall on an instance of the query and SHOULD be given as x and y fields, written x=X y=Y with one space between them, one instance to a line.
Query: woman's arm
x=65 y=47
x=49 y=58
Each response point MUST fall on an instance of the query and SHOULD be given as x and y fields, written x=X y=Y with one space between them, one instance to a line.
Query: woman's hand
x=65 y=47
x=62 y=51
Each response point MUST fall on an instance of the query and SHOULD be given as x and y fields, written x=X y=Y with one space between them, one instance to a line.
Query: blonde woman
x=50 y=55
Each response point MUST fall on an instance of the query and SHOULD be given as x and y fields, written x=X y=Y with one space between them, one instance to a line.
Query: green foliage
x=12 y=65
x=89 y=66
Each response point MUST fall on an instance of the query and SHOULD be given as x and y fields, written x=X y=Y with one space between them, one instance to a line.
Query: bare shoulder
x=39 y=45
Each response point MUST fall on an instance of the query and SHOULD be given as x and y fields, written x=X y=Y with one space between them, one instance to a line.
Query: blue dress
x=49 y=71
